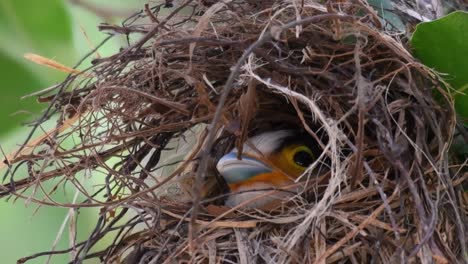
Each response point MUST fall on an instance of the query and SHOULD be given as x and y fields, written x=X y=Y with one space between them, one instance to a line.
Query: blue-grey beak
x=234 y=170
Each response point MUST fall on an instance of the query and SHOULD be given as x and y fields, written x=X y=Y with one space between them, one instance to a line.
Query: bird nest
x=138 y=136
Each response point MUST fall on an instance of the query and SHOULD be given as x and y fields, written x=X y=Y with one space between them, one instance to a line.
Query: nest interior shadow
x=148 y=124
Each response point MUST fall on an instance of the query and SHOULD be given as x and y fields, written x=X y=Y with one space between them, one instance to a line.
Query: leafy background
x=54 y=29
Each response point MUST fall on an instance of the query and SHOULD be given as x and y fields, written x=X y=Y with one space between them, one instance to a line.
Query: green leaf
x=442 y=44
x=17 y=81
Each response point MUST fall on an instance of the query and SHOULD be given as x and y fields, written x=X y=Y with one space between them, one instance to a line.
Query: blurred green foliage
x=16 y=80
x=41 y=25
x=54 y=29
x=23 y=28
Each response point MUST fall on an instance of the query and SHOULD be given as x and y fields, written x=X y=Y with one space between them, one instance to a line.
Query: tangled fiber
x=138 y=135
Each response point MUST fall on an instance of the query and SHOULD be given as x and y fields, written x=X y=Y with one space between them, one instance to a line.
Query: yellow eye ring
x=300 y=157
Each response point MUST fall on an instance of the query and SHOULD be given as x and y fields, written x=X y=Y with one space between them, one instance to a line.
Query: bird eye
x=303 y=158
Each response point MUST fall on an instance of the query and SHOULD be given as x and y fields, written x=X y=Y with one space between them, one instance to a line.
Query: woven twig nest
x=150 y=122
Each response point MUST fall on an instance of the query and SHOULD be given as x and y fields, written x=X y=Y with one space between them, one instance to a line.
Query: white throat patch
x=266 y=142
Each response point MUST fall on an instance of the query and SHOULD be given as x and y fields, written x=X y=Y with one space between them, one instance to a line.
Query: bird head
x=270 y=160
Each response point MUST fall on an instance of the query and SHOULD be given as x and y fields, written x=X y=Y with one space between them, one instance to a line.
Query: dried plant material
x=206 y=76
x=50 y=63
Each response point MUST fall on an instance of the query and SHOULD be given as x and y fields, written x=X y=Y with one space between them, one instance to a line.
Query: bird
x=269 y=161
